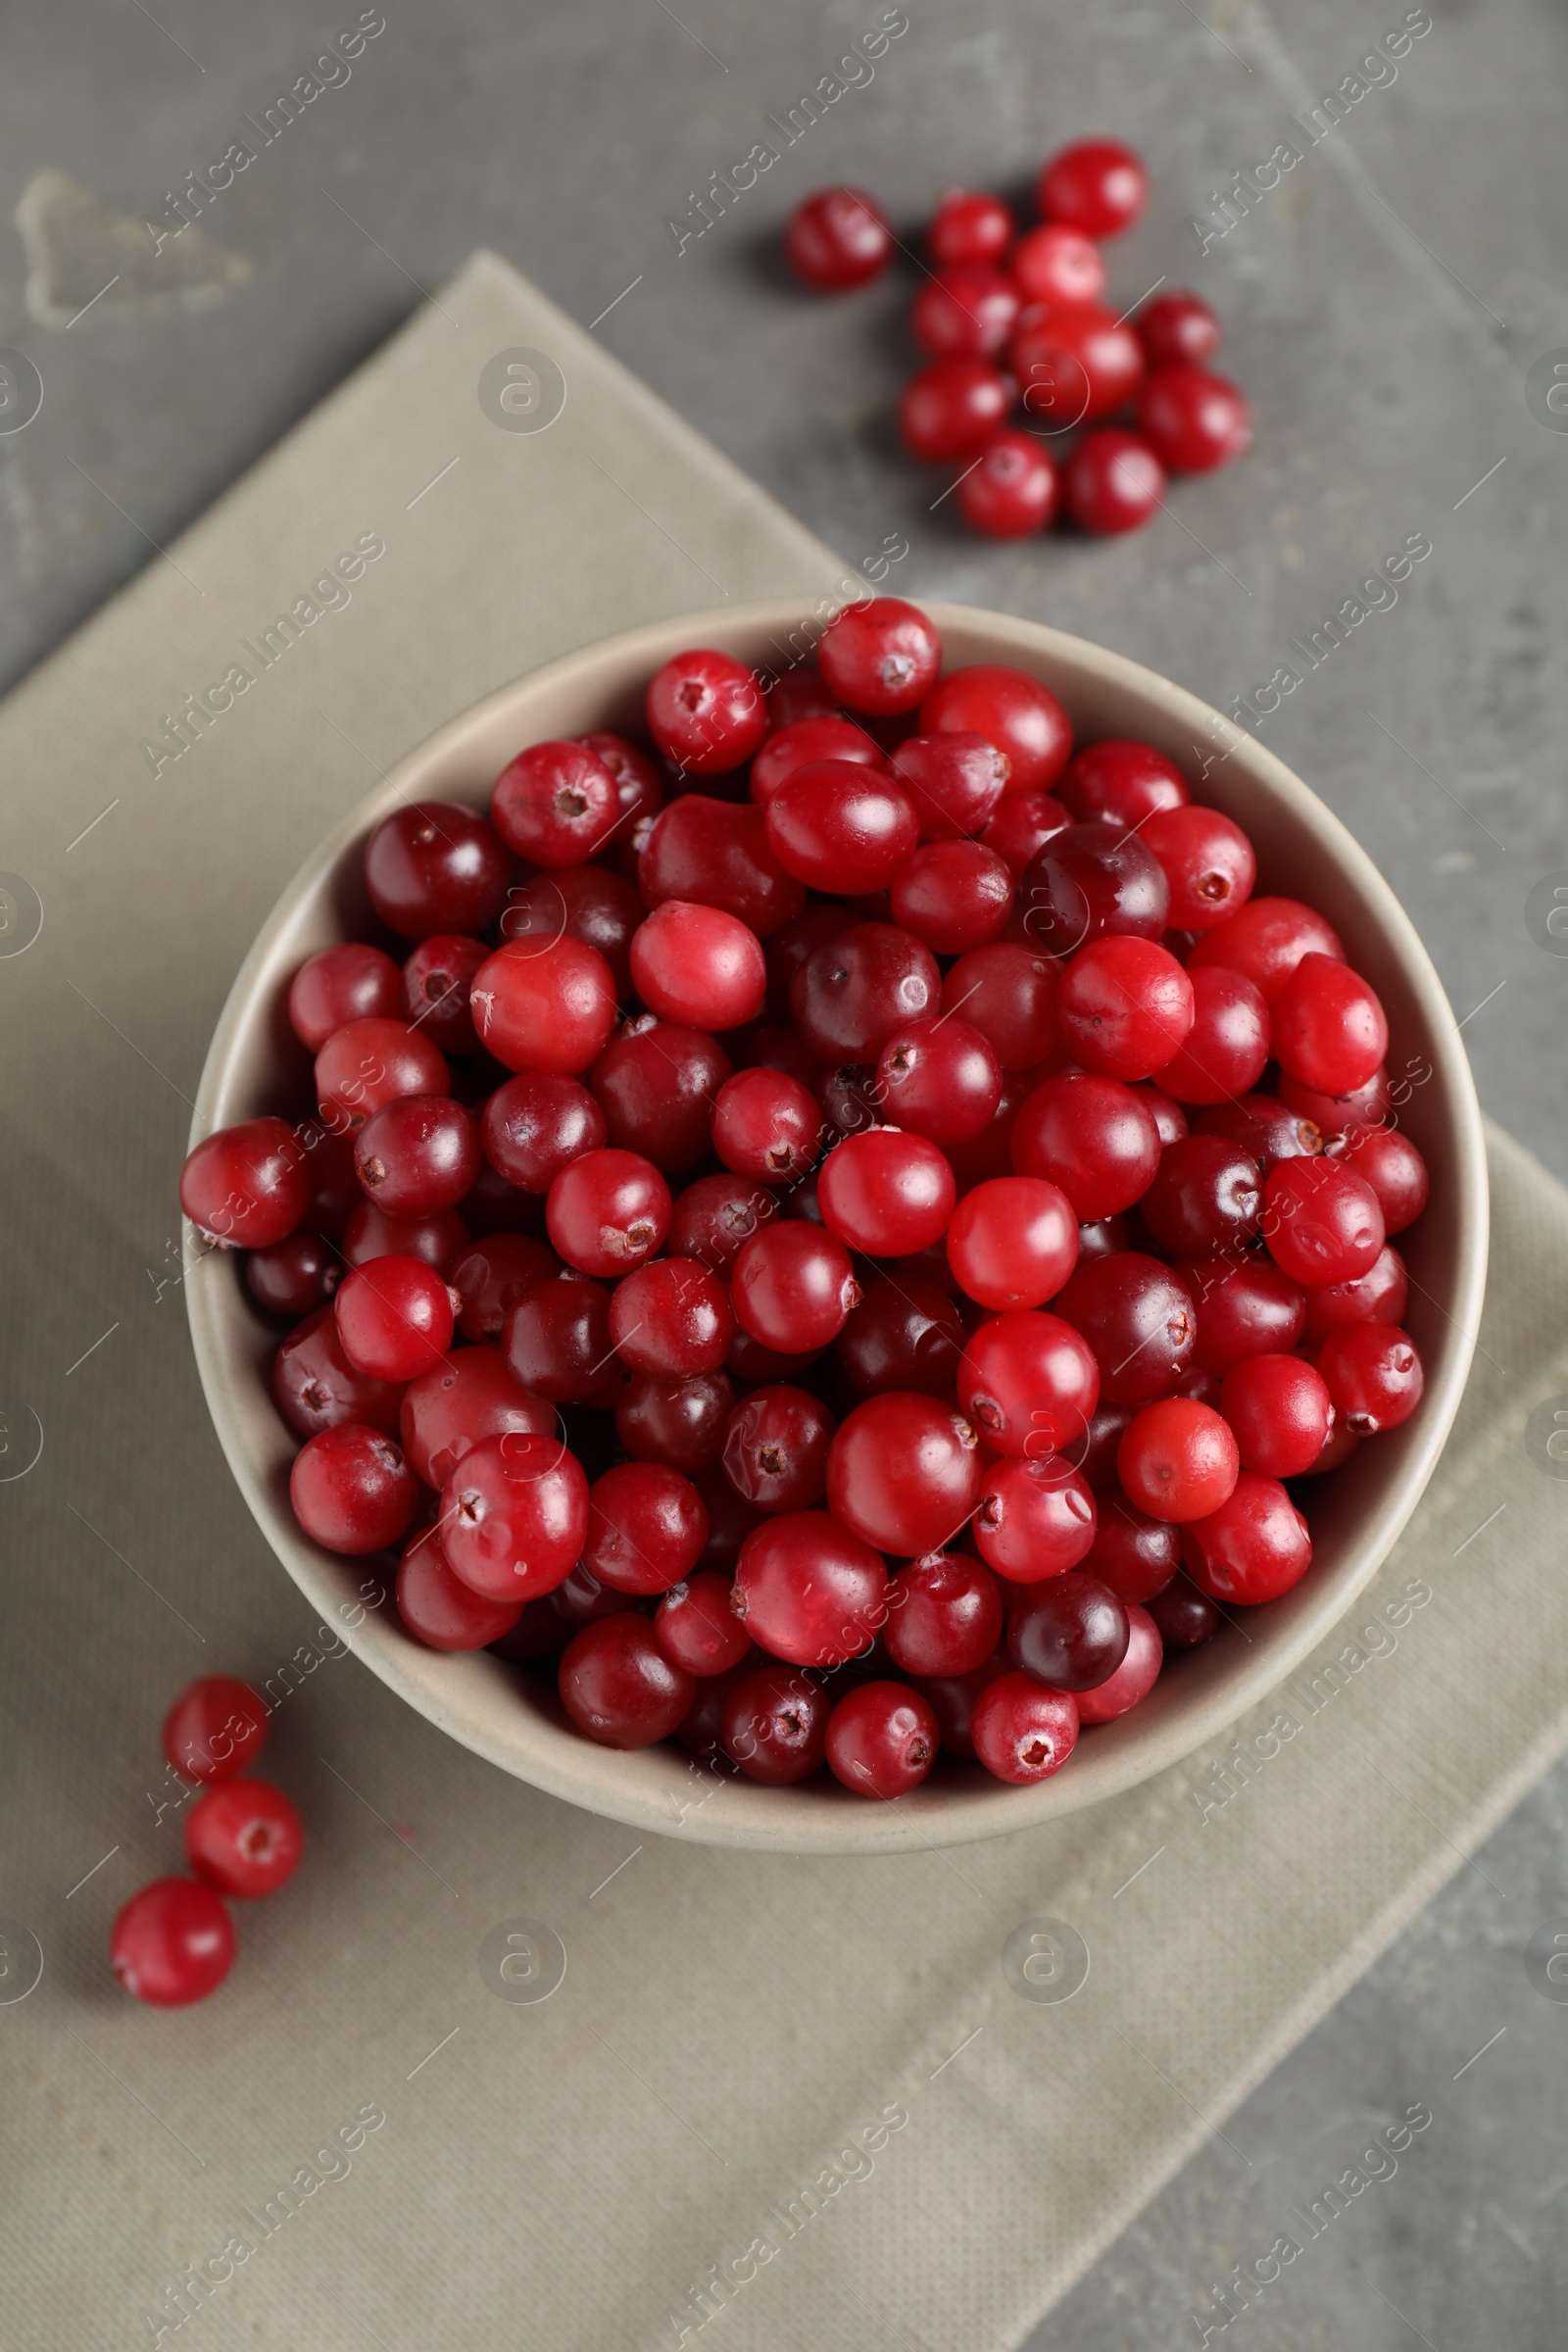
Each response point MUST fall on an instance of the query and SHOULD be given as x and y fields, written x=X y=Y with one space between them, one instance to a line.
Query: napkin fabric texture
x=801 y=2103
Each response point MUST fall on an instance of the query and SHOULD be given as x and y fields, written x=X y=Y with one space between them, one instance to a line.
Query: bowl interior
x=255 y=1064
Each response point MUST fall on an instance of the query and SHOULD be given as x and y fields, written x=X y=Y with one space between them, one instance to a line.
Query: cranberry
x=1096 y=186
x=1194 y=420
x=434 y=867
x=718 y=855
x=215 y=1728
x=247 y=1185
x=373 y=1232
x=953 y=896
x=1206 y=1195
x=705 y=711
x=171 y=1944
x=1373 y=1374
x=1342 y=1443
x=699 y=965
x=315 y=1387
x=1207 y=861
x=904 y=1471
x=637 y=784
x=1106 y=1237
x=1115 y=482
x=244 y=1839
x=842 y=827
x=678 y=1423
x=1069 y=1632
x=608 y=1211
x=1075 y=366
x=1266 y=939
x=1178 y=1460
x=1013 y=710
x=1094 y=881
x=647 y=1528
x=837 y=238
x=1321 y=1222
x=543 y=1007
x=1177 y=327
x=965 y=312
x=881 y=1739
x=1022 y=826
x=418 y=1156
x=774 y=1725
x=515 y=1516
x=1058 y=266
x=904 y=1334
x=336 y=985
x=448 y=1409
x=1119 y=781
x=433 y=989
x=352 y=1490
x=1183 y=1617
x=1020 y=1732
x=696 y=1628
x=1139 y=1320
x=395 y=1317
x=791 y=1288
x=809 y=1590
x=1092 y=1135
x=1036 y=1518
x=1012 y=488
x=618 y=1687
x=1226 y=1045
x=1253 y=1548
x=672 y=1319
x=1008 y=993
x=852 y=992
x=656 y=1084
x=293 y=1277
x=940 y=1078
x=766 y=1125
x=1134 y=1555
x=1376 y=1296
x=1335 y=1116
x=1013 y=1241
x=956 y=782
x=950 y=410
x=1133 y=1679
x=1329 y=1031
x=805 y=743
x=1029 y=1383
x=438 y=1609
x=367 y=1064
x=1263 y=1127
x=586 y=903
x=537 y=1122
x=555 y=803
x=1124 y=1006
x=885 y=1193
x=713 y=1216
x=557 y=1341
x=1280 y=1409
x=1245 y=1307
x=968 y=227
x=776 y=1449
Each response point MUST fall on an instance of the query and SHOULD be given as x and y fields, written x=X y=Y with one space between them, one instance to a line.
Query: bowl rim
x=814 y=1820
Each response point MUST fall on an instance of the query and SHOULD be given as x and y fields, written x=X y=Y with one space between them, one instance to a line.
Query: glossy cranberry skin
x=941 y=1079
x=904 y=1334
x=1022 y=1733
x=1058 y=266
x=418 y=1156
x=557 y=1341
x=448 y=1409
x=636 y=777
x=766 y=1126
x=950 y=410
x=373 y=1232
x=945 y=1615
x=617 y=1686
x=1075 y=366
x=696 y=1628
x=1338 y=1116
x=1115 y=482
x=1228 y=1043
x=215 y=1728
x=672 y=1319
x=1012 y=490
x=1207 y=1196
x=1139 y=1320
x=1014 y=712
x=438 y=1609
x=245 y=1839
x=1178 y=1460
x=1321 y=1221
x=1176 y=327
x=352 y=1490
x=1096 y=186
x=367 y=1064
x=715 y=853
x=647 y=1528
x=1377 y=1295
x=1092 y=1135
x=547 y=1006
x=968 y=313
x=535 y=1124
x=678 y=1423
x=954 y=780
x=1207 y=861
x=1184 y=1617
x=315 y=1387
x=904 y=1472
x=1008 y=993
x=1122 y=782
x=1281 y=1412
x=1194 y=420
x=953 y=896
x=1029 y=1383
x=886 y=1193
x=349 y=983
x=556 y=804
x=1022 y=826
x=1329 y=1031
x=776 y=1449
x=1035 y=1518
x=809 y=1590
x=1094 y=881
x=1373 y=1374
x=1253 y=1548
x=515 y=1516
x=657 y=1084
x=1133 y=1679
x=837 y=238
x=1134 y=1555
x=1013 y=1241
x=433 y=989
x=586 y=903
x=852 y=992
x=842 y=827
x=968 y=227
x=791 y=1288
x=881 y=1739
x=803 y=745
x=713 y=1217
x=1068 y=1633
x=395 y=1317
x=1263 y=1127
x=1266 y=939
x=699 y=965
x=434 y=867
x=705 y=711
x=775 y=1726
x=294 y=1276
x=1124 y=1007
x=247 y=1185
x=608 y=1212
x=1245 y=1307
x=172 y=1943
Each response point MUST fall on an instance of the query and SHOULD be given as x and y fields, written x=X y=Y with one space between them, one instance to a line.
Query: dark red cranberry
x=1133 y=1554
x=1029 y=1383
x=334 y=1187
x=881 y=1739
x=679 y=1423
x=647 y=1528
x=1120 y=781
x=1207 y=1195
x=557 y=1341
x=952 y=408
x=1264 y=941
x=336 y=985
x=1022 y=826
x=952 y=1700
x=215 y=1728
x=1376 y=1296
x=1196 y=420
x=434 y=990
x=953 y=896
x=1115 y=482
x=1094 y=881
x=672 y=1319
x=712 y=1218
x=1138 y=1319
x=535 y=1124
x=249 y=1186
x=956 y=782
x=1184 y=1617
x=1177 y=327
x=945 y=1615
x=367 y=1064
x=774 y=1725
x=656 y=1084
x=608 y=1212
x=1098 y=186
x=315 y=1387
x=1093 y=1454
x=395 y=1317
x=1068 y=1633
x=418 y=1156
x=906 y=1333
x=1008 y=993
x=715 y=853
x=776 y=1449
x=940 y=1078
x=438 y=1609
x=352 y=1490
x=371 y=1233
x=436 y=867
x=617 y=1686
x=850 y=1101
x=586 y=903
x=696 y=1628
x=789 y=948
x=448 y=1409
x=1245 y=1307
x=515 y=1515
x=837 y=238
x=792 y=1286
x=637 y=784
x=1263 y=1127
x=804 y=743
x=295 y=1276
x=852 y=992
x=766 y=1125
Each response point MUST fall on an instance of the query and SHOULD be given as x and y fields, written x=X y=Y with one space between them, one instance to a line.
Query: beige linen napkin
x=819 y=2104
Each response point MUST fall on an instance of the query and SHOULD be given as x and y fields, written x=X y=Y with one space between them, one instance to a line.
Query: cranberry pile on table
x=1010 y=320
x=840 y=1231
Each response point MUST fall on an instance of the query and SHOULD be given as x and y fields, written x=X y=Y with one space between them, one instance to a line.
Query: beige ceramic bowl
x=1302 y=850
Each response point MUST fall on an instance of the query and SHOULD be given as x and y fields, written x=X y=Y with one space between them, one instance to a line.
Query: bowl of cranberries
x=845 y=1256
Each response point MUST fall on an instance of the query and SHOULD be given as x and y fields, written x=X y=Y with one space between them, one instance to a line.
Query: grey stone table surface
x=1385 y=302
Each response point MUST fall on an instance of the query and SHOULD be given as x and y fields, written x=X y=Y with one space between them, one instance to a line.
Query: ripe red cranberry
x=968 y=227
x=1374 y=1376
x=215 y=1728
x=696 y=1628
x=904 y=1472
x=953 y=896
x=1020 y=1732
x=1092 y=1135
x=1124 y=1007
x=966 y=312
x=1013 y=710
x=1035 y=1518
x=367 y=1064
x=881 y=1739
x=171 y=1944
x=1008 y=993
x=699 y=965
x=804 y=743
x=315 y=1387
x=1376 y=1296
x=945 y=1615
x=617 y=1686
x=1013 y=489
x=1321 y=1222
x=766 y=1125
x=1226 y=1045
x=433 y=989
x=715 y=853
x=1068 y=1633
x=1207 y=1196
x=956 y=782
x=1184 y=1618
x=608 y=1212
x=1253 y=1548
x=418 y=1156
x=712 y=1218
x=434 y=867
x=1013 y=1241
x=1095 y=881
x=1266 y=939
x=1178 y=1460
x=1120 y=781
x=1245 y=1307
x=515 y=1516
x=294 y=1276
x=1138 y=1318
x=906 y=1333
x=555 y=803
x=1177 y=327
x=1263 y=1127
x=1337 y=1116
x=1029 y=1383
x=1115 y=482
x=837 y=238
x=247 y=1185
x=557 y=1341
x=776 y=1449
x=1329 y=1031
x=637 y=781
x=647 y=1528
x=950 y=410
x=774 y=1725
x=438 y=1609
x=352 y=1490
x=842 y=827
x=1022 y=826
x=705 y=711
x=1207 y=861
x=885 y=1193
x=1133 y=1679
x=586 y=903
x=656 y=1084
x=1096 y=186
x=809 y=1590
x=1194 y=420
x=370 y=1233
x=1134 y=1555
x=941 y=1079
x=1058 y=266
x=537 y=1122
x=349 y=983
x=1075 y=366
x=544 y=1006
x=852 y=992
x=679 y=1423
x=395 y=1317
x=792 y=1286
x=244 y=1839
x=1281 y=1411
x=448 y=1409
x=672 y=1319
